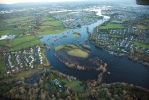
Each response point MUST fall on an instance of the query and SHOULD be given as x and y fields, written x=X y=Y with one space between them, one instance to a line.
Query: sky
x=18 y=1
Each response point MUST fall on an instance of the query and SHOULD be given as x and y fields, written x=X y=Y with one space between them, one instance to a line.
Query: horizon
x=51 y=1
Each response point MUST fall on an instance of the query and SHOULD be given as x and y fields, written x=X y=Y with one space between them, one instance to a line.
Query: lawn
x=9 y=31
x=3 y=42
x=51 y=31
x=112 y=26
x=24 y=45
x=23 y=73
x=53 y=23
x=76 y=35
x=141 y=44
x=78 y=53
x=59 y=47
x=19 y=19
x=116 y=36
x=142 y=27
x=47 y=18
x=6 y=32
x=2 y=67
x=20 y=40
x=74 y=85
x=72 y=50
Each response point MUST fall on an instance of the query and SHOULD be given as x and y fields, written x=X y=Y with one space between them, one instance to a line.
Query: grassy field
x=20 y=40
x=3 y=42
x=51 y=31
x=19 y=19
x=72 y=50
x=142 y=27
x=141 y=44
x=6 y=32
x=23 y=73
x=112 y=26
x=78 y=53
x=2 y=68
x=59 y=47
x=53 y=23
x=24 y=45
x=76 y=35
x=115 y=36
x=74 y=85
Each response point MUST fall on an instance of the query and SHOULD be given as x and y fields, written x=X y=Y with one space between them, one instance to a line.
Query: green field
x=50 y=30
x=20 y=40
x=112 y=26
x=76 y=35
x=141 y=44
x=74 y=85
x=6 y=32
x=2 y=42
x=53 y=23
x=19 y=19
x=115 y=36
x=24 y=45
x=59 y=47
x=78 y=53
x=9 y=31
x=142 y=27
x=72 y=50
x=2 y=68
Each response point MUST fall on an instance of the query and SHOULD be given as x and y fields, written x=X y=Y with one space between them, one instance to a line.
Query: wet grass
x=110 y=26
x=53 y=23
x=25 y=45
x=72 y=50
x=76 y=35
x=141 y=44
x=2 y=67
x=115 y=36
x=74 y=85
x=142 y=26
x=20 y=40
x=44 y=30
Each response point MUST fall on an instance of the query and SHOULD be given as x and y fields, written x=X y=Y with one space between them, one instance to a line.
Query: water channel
x=122 y=69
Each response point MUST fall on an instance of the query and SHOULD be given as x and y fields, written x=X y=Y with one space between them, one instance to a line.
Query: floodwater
x=122 y=69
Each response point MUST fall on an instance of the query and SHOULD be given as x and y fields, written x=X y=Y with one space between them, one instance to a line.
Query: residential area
x=124 y=34
x=29 y=58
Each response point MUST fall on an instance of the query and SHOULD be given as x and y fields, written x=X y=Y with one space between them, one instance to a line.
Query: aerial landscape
x=74 y=50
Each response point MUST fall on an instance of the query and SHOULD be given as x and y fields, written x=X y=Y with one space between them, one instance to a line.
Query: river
x=122 y=69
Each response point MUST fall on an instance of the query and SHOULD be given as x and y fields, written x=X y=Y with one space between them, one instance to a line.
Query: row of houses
x=26 y=58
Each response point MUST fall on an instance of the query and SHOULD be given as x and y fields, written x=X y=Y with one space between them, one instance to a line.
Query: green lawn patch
x=116 y=36
x=6 y=32
x=53 y=23
x=20 y=40
x=72 y=50
x=2 y=67
x=3 y=42
x=142 y=27
x=59 y=47
x=51 y=31
x=76 y=35
x=112 y=26
x=19 y=19
x=141 y=44
x=74 y=85
x=25 y=45
x=78 y=53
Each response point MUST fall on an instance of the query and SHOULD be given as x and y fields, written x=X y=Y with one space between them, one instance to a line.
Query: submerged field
x=142 y=44
x=76 y=35
x=73 y=50
x=110 y=26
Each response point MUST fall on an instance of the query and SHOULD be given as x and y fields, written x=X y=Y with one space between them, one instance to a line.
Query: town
x=86 y=50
